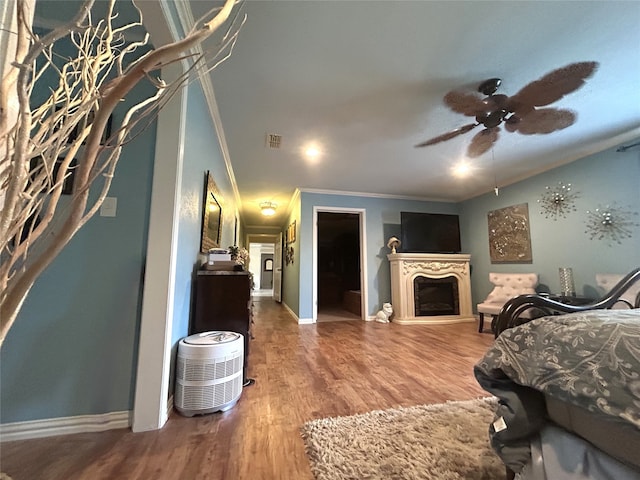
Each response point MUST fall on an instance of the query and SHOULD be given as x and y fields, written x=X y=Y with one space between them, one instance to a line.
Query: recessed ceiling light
x=462 y=170
x=312 y=152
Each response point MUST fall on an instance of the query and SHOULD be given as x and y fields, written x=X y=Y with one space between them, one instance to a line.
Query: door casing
x=361 y=212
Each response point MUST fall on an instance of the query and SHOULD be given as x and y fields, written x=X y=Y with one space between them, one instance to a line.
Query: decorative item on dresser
x=223 y=302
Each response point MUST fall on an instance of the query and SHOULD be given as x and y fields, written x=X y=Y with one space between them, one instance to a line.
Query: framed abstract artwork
x=509 y=235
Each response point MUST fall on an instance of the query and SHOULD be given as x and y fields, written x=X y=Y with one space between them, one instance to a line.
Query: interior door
x=277 y=270
x=266 y=271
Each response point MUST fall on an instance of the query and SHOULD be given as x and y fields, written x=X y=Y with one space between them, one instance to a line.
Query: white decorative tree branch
x=39 y=143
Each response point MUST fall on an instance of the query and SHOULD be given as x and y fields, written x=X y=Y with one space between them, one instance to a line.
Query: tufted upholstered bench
x=630 y=298
x=507 y=286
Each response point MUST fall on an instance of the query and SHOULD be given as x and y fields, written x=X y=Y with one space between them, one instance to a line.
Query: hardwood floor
x=302 y=372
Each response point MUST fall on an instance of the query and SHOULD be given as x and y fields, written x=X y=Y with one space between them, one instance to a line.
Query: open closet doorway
x=339 y=264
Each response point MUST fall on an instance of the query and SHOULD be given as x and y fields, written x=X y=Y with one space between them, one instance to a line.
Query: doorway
x=262 y=266
x=266 y=271
x=339 y=265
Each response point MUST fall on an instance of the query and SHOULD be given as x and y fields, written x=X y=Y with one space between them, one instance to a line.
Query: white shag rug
x=448 y=441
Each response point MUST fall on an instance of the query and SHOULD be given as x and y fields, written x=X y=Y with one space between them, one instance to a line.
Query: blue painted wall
x=73 y=348
x=383 y=221
x=601 y=179
x=291 y=284
x=201 y=153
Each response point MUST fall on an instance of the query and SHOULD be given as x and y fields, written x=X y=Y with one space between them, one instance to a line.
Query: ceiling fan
x=518 y=113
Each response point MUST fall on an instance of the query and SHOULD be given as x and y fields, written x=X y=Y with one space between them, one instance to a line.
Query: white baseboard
x=64 y=426
x=300 y=321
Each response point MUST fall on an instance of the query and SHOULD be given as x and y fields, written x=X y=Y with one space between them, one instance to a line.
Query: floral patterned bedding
x=590 y=359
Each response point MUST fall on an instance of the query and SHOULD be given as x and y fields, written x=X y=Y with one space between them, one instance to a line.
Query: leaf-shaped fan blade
x=544 y=120
x=468 y=104
x=483 y=141
x=448 y=135
x=552 y=86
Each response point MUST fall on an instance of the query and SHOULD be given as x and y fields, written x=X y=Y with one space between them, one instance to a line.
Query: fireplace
x=436 y=296
x=430 y=288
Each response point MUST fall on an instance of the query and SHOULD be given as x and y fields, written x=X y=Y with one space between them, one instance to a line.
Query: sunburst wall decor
x=612 y=223
x=558 y=201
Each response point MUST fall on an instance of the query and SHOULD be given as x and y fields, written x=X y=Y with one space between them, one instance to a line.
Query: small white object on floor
x=383 y=315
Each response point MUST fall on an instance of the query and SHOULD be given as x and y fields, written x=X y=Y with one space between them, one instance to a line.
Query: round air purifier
x=208 y=372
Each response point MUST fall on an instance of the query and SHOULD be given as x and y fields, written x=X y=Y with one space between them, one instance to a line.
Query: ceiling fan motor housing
x=492 y=119
x=489 y=87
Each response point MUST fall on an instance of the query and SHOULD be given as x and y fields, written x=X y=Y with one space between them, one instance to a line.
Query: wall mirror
x=211 y=216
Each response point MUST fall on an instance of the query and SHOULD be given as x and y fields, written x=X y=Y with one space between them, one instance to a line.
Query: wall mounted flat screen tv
x=430 y=233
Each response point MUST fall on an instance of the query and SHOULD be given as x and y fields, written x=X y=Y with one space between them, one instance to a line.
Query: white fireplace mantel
x=406 y=267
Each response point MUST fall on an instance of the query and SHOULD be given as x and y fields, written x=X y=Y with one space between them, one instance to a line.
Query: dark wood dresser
x=223 y=302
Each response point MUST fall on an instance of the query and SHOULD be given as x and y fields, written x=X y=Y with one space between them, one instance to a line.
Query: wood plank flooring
x=302 y=372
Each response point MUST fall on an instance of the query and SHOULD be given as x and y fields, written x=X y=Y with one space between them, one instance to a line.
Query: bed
x=568 y=383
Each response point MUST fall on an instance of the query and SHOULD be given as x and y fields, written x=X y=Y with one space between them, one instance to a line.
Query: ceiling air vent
x=273 y=140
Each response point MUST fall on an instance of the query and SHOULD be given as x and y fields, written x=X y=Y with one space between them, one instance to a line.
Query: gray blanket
x=589 y=359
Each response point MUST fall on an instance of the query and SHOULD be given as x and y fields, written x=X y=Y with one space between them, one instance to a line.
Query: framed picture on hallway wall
x=211 y=215
x=510 y=235
x=290 y=236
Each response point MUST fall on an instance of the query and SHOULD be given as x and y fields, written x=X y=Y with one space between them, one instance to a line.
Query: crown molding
x=185 y=16
x=374 y=195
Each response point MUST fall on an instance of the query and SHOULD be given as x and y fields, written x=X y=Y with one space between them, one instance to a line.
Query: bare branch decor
x=69 y=133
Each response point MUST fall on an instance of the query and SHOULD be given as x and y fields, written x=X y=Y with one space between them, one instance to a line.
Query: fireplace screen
x=436 y=296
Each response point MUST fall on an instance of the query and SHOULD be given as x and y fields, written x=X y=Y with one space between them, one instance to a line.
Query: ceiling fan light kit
x=520 y=112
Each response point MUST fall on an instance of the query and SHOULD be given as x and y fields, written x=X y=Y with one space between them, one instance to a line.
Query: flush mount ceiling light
x=268 y=208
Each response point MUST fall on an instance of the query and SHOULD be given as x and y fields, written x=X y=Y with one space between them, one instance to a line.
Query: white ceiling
x=365 y=81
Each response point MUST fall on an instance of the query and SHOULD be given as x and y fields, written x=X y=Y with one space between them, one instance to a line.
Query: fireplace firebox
x=436 y=296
